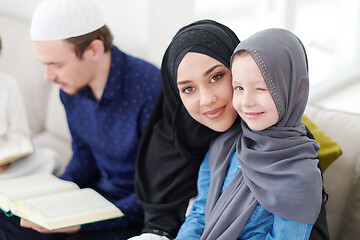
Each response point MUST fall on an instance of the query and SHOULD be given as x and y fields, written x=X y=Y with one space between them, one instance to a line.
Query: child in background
x=14 y=125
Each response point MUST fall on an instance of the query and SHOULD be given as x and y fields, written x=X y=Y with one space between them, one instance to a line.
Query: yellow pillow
x=329 y=149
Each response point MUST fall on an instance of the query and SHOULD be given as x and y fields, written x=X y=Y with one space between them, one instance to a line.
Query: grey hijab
x=278 y=166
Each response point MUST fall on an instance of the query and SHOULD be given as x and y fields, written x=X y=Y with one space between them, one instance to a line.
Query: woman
x=175 y=143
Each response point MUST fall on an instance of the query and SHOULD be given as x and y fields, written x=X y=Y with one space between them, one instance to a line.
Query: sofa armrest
x=344 y=128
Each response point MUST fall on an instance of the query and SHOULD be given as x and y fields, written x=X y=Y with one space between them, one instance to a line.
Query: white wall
x=142 y=28
x=166 y=18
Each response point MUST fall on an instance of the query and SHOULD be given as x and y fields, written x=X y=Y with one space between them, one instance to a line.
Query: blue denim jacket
x=260 y=225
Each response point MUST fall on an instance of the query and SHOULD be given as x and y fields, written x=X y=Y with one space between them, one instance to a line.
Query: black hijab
x=174 y=144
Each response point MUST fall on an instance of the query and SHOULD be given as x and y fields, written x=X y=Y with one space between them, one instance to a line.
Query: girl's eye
x=188 y=89
x=261 y=89
x=238 y=88
x=216 y=77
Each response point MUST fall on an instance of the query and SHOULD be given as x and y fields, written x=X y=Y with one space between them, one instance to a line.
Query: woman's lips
x=215 y=113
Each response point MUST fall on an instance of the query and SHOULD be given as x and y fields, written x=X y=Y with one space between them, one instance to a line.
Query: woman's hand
x=27 y=224
x=149 y=236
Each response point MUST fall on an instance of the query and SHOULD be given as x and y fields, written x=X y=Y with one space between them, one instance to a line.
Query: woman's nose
x=207 y=97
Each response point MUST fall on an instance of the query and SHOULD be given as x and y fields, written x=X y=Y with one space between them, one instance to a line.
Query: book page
x=31 y=186
x=15 y=149
x=66 y=209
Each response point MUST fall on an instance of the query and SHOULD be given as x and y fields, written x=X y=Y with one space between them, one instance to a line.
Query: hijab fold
x=278 y=165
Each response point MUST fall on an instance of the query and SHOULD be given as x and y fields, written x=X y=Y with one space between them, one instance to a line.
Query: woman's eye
x=188 y=90
x=216 y=77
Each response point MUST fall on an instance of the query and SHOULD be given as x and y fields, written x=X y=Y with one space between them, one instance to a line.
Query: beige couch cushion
x=351 y=222
x=344 y=128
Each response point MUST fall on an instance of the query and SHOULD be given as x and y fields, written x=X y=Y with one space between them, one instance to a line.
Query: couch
x=342 y=177
x=49 y=128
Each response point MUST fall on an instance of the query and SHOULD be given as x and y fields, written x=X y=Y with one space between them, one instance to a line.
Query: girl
x=265 y=183
x=179 y=131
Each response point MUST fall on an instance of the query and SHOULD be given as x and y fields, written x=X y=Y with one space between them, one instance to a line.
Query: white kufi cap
x=62 y=19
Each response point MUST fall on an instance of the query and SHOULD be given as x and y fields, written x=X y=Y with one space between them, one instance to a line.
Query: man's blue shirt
x=106 y=133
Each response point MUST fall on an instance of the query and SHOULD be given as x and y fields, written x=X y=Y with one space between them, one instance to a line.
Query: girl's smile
x=253 y=115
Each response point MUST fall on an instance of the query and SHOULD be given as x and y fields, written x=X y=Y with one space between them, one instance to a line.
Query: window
x=329 y=29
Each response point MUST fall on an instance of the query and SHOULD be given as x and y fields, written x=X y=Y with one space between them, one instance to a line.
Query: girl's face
x=252 y=99
x=205 y=89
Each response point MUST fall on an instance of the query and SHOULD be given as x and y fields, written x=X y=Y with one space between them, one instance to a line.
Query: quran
x=12 y=150
x=53 y=203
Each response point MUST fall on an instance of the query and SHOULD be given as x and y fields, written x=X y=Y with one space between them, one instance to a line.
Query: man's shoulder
x=134 y=61
x=139 y=63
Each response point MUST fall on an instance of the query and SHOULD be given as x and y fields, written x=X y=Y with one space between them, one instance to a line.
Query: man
x=108 y=97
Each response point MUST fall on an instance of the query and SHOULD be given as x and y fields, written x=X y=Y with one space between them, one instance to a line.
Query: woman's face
x=205 y=89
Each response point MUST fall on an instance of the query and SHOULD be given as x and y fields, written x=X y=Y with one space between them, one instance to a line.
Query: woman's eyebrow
x=183 y=82
x=212 y=69
x=205 y=74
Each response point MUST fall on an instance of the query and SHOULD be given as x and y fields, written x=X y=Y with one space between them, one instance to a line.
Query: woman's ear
x=95 y=50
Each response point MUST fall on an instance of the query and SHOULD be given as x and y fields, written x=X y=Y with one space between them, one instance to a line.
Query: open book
x=54 y=203
x=14 y=149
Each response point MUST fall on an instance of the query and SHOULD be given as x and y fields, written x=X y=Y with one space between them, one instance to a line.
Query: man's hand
x=148 y=236
x=27 y=224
